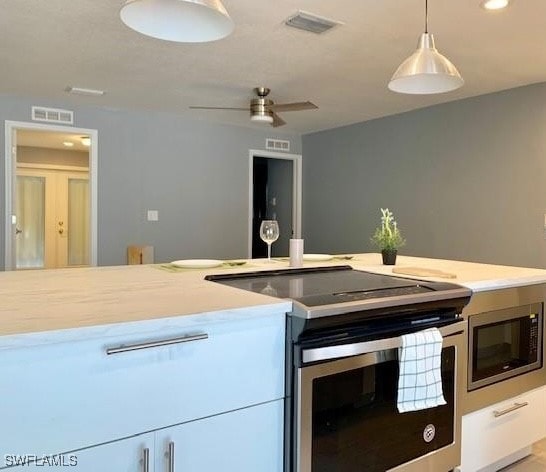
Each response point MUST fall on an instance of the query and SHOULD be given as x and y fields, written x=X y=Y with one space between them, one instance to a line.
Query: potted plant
x=387 y=237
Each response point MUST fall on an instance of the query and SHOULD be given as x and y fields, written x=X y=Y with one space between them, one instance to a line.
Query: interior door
x=53 y=219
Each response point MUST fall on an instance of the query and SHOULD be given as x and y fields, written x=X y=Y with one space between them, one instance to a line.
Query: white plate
x=197 y=263
x=317 y=257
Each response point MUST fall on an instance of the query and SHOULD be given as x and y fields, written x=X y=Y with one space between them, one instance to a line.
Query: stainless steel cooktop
x=326 y=291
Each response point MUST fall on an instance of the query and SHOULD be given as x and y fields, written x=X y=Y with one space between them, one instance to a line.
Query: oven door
x=347 y=418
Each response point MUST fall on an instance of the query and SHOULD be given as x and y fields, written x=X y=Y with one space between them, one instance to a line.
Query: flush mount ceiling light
x=68 y=143
x=183 y=21
x=84 y=91
x=426 y=71
x=494 y=4
x=85 y=140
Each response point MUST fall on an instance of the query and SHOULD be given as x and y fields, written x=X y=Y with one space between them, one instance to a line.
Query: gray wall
x=464 y=179
x=194 y=173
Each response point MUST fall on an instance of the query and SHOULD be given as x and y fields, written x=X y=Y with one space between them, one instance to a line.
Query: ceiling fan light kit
x=184 y=21
x=426 y=71
x=263 y=109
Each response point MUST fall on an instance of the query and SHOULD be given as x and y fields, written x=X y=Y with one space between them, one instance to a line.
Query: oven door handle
x=347 y=350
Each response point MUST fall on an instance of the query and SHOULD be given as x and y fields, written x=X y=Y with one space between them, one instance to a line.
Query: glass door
x=30 y=229
x=53 y=219
x=78 y=221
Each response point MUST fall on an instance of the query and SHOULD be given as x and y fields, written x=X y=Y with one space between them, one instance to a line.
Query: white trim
x=296 y=189
x=27 y=165
x=10 y=126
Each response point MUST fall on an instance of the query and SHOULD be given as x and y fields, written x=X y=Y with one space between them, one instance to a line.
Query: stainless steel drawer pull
x=171 y=456
x=145 y=460
x=150 y=344
x=515 y=406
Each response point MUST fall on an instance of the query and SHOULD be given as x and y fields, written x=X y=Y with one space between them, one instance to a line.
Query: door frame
x=296 y=189
x=10 y=172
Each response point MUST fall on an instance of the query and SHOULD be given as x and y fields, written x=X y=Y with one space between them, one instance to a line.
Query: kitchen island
x=141 y=366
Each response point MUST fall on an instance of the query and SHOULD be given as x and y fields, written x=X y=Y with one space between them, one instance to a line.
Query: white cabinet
x=245 y=440
x=71 y=396
x=249 y=440
x=126 y=455
x=502 y=429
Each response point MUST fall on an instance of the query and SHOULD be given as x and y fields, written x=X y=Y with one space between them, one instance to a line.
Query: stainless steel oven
x=504 y=343
x=346 y=406
x=342 y=369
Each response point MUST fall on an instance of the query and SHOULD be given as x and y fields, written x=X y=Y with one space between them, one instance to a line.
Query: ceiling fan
x=264 y=109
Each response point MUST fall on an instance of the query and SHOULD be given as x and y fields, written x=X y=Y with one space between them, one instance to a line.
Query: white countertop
x=49 y=300
x=477 y=277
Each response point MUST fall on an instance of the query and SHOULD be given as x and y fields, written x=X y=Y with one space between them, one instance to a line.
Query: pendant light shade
x=426 y=71
x=184 y=21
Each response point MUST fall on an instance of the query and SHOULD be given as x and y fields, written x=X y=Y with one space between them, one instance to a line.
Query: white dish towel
x=420 y=380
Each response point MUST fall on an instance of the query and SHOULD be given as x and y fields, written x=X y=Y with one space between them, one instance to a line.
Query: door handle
x=170 y=454
x=146 y=460
x=152 y=344
x=18 y=231
x=347 y=350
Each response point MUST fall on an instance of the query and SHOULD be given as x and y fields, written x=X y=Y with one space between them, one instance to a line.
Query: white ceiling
x=47 y=45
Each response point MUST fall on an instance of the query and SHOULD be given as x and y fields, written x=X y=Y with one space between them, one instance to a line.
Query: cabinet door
x=126 y=455
x=246 y=440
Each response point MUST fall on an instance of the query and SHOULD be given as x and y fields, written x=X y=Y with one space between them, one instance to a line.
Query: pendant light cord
x=426 y=16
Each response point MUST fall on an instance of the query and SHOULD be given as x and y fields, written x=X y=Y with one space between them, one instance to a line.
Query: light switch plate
x=153 y=215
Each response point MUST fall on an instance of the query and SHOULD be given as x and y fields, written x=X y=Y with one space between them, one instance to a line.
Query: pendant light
x=426 y=71
x=183 y=21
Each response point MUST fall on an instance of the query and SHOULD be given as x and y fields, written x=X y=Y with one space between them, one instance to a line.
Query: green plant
x=387 y=236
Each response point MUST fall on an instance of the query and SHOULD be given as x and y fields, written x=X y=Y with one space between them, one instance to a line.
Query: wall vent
x=309 y=22
x=277 y=145
x=53 y=115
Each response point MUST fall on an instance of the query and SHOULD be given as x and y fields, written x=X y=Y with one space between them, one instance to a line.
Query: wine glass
x=269 y=232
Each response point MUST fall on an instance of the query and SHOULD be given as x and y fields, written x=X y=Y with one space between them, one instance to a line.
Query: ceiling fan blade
x=297 y=106
x=219 y=108
x=277 y=121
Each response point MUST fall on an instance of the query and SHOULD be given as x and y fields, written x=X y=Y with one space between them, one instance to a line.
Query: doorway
x=275 y=194
x=50 y=196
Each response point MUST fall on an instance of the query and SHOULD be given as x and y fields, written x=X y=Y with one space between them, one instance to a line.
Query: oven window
x=500 y=347
x=357 y=426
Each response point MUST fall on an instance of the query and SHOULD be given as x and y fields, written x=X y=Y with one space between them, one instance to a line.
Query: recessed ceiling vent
x=53 y=115
x=277 y=145
x=309 y=22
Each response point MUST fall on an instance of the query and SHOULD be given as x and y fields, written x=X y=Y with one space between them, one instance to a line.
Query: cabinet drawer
x=495 y=432
x=62 y=397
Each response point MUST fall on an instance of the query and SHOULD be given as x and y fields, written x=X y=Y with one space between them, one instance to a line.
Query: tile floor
x=536 y=462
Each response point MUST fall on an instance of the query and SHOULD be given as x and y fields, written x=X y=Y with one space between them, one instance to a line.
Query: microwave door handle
x=347 y=350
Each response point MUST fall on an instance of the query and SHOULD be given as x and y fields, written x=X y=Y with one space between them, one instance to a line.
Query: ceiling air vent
x=309 y=22
x=53 y=115
x=277 y=145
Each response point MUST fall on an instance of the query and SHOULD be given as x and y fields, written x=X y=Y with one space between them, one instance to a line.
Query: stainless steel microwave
x=504 y=343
